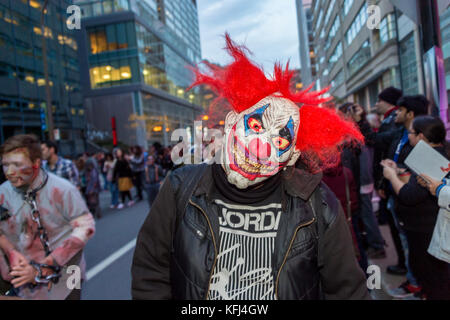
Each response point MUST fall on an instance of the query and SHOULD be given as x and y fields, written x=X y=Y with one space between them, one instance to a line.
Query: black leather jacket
x=313 y=258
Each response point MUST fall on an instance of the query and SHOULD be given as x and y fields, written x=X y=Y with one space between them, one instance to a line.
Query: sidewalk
x=388 y=281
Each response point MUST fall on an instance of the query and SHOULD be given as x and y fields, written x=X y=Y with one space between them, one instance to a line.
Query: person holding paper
x=440 y=242
x=417 y=212
x=398 y=150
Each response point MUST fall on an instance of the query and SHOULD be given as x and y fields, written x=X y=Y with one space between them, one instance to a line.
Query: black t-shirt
x=249 y=220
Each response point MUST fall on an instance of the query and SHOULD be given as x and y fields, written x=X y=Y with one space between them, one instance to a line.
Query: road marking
x=108 y=261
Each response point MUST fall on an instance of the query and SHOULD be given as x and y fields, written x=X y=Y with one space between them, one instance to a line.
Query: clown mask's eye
x=280 y=143
x=255 y=125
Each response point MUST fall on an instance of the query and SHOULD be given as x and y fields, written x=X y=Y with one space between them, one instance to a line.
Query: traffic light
x=43 y=115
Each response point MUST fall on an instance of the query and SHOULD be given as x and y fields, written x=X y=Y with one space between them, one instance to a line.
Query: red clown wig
x=322 y=132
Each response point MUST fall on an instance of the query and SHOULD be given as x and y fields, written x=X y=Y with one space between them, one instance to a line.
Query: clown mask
x=260 y=141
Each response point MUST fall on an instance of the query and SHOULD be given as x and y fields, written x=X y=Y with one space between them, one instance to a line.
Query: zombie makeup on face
x=19 y=169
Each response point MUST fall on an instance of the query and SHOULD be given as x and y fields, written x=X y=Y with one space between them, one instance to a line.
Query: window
x=111 y=37
x=357 y=24
x=337 y=53
x=319 y=19
x=409 y=65
x=347 y=5
x=334 y=28
x=387 y=28
x=116 y=72
x=359 y=58
x=338 y=79
x=329 y=10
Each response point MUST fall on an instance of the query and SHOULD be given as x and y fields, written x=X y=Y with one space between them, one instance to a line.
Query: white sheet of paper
x=424 y=159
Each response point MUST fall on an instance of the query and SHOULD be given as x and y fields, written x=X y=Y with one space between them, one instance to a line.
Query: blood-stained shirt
x=68 y=224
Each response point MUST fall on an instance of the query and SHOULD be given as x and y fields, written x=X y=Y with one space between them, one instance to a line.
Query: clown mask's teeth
x=249 y=165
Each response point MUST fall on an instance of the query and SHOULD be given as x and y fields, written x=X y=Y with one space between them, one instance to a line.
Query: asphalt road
x=109 y=253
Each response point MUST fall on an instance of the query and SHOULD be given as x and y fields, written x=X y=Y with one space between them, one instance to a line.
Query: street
x=110 y=252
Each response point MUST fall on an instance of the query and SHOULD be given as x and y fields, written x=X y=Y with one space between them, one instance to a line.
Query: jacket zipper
x=289 y=249
x=214 y=243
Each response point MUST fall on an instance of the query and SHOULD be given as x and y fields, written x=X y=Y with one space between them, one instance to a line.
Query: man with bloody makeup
x=259 y=224
x=44 y=225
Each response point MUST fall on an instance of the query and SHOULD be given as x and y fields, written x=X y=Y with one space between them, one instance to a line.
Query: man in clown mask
x=257 y=225
x=44 y=225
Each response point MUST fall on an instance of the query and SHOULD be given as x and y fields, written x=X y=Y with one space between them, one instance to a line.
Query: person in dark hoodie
x=341 y=181
x=417 y=212
x=398 y=148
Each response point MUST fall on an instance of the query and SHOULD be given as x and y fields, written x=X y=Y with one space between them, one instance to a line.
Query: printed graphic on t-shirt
x=244 y=264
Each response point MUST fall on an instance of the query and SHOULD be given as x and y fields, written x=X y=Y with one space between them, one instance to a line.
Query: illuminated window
x=98 y=42
x=35 y=4
x=73 y=111
x=29 y=78
x=109 y=38
x=109 y=75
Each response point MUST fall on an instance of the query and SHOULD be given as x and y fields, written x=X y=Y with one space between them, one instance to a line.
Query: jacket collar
x=298 y=182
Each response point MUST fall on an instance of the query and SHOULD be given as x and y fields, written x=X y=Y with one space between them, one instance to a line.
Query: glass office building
x=22 y=81
x=134 y=58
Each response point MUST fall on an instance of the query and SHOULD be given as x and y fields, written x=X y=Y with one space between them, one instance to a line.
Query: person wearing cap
x=398 y=147
x=386 y=107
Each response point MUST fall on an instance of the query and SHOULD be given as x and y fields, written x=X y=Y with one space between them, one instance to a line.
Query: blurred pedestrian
x=399 y=147
x=440 y=243
x=153 y=178
x=386 y=107
x=341 y=181
x=360 y=162
x=58 y=165
x=123 y=177
x=93 y=188
x=80 y=165
x=108 y=169
x=417 y=212
x=137 y=164
x=374 y=120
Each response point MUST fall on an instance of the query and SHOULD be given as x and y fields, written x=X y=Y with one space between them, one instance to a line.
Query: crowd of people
x=416 y=207
x=408 y=202
x=117 y=171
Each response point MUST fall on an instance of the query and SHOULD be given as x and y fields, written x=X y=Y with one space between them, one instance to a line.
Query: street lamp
x=48 y=95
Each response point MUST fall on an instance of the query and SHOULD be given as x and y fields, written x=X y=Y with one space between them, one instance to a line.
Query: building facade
x=133 y=57
x=357 y=60
x=306 y=42
x=22 y=82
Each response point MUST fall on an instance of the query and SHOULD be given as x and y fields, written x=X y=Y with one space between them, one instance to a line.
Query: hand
x=389 y=173
x=389 y=163
x=357 y=113
x=46 y=271
x=429 y=183
x=16 y=259
x=23 y=274
x=381 y=193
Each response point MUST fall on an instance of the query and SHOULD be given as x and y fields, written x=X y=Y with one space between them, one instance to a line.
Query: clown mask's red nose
x=259 y=149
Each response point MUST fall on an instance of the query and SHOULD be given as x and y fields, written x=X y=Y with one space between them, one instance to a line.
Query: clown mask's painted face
x=260 y=141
